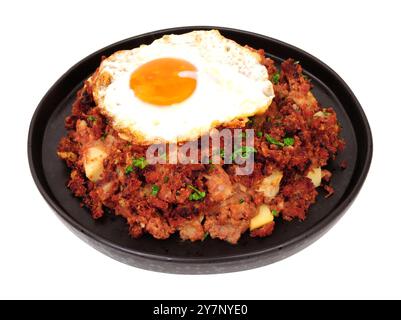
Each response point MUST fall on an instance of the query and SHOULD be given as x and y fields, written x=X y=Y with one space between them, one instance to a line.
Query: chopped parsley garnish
x=197 y=194
x=129 y=169
x=104 y=135
x=259 y=134
x=271 y=140
x=251 y=121
x=91 y=118
x=155 y=190
x=288 y=141
x=275 y=213
x=205 y=236
x=241 y=201
x=244 y=152
x=276 y=78
x=140 y=163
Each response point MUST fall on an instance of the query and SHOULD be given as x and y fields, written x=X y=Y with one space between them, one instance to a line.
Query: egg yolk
x=164 y=81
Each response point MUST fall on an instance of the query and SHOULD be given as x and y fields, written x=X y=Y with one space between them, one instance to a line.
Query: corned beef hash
x=141 y=139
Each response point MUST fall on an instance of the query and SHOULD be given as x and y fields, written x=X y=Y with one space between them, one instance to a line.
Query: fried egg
x=179 y=87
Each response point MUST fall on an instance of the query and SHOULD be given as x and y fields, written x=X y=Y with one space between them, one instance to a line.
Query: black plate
x=110 y=234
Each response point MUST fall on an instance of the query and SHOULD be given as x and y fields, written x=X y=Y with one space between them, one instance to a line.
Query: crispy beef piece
x=299 y=194
x=218 y=184
x=264 y=231
x=228 y=219
x=191 y=230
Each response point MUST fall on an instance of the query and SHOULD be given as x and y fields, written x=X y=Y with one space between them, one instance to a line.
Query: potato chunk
x=319 y=114
x=316 y=176
x=93 y=162
x=270 y=185
x=262 y=217
x=71 y=156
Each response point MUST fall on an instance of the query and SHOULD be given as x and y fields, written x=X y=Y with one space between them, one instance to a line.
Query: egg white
x=231 y=84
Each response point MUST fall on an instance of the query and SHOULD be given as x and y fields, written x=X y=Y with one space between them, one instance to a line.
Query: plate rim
x=318 y=228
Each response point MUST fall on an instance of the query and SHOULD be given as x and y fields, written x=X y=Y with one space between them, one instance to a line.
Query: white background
x=359 y=258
